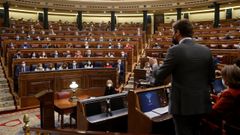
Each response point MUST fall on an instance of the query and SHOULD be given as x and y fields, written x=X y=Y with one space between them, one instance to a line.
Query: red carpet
x=12 y=123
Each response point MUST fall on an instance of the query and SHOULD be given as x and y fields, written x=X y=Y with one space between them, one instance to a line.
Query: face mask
x=89 y=63
x=174 y=41
x=223 y=82
x=109 y=85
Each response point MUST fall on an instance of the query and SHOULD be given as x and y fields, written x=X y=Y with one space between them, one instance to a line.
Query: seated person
x=25 y=45
x=51 y=32
x=108 y=65
x=88 y=65
x=39 y=67
x=73 y=65
x=18 y=55
x=38 y=38
x=123 y=54
x=69 y=45
x=86 y=45
x=88 y=53
x=110 y=46
x=28 y=37
x=47 y=39
x=156 y=46
x=119 y=46
x=17 y=37
x=110 y=55
x=67 y=54
x=11 y=45
x=43 y=55
x=63 y=66
x=55 y=54
x=109 y=90
x=78 y=54
x=101 y=38
x=99 y=46
x=33 y=56
x=226 y=106
x=50 y=67
x=128 y=46
x=148 y=69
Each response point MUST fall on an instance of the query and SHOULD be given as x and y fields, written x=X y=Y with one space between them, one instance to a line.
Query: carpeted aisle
x=11 y=124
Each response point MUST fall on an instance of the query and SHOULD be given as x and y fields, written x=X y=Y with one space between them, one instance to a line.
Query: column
x=179 y=13
x=113 y=20
x=45 y=18
x=6 y=14
x=79 y=20
x=144 y=20
x=216 y=14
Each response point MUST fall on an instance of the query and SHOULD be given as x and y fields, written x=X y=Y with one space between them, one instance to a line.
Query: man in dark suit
x=192 y=70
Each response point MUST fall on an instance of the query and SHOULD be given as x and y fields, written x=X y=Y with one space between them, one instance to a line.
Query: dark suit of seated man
x=25 y=45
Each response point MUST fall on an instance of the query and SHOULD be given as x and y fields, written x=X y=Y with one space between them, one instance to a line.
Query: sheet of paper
x=161 y=110
x=151 y=114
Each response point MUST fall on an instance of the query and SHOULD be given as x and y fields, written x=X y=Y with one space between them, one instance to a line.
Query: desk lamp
x=73 y=87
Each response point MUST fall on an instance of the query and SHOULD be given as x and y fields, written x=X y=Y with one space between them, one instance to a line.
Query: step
x=8 y=108
x=6 y=103
x=6 y=89
x=3 y=79
x=7 y=97
x=2 y=86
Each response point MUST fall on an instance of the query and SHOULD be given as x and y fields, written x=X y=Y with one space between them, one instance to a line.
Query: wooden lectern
x=46 y=99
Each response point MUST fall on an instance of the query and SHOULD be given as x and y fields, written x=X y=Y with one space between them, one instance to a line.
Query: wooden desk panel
x=34 y=82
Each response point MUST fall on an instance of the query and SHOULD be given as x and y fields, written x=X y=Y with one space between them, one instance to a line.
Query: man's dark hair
x=185 y=27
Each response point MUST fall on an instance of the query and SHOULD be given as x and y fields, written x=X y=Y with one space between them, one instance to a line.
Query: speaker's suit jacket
x=192 y=70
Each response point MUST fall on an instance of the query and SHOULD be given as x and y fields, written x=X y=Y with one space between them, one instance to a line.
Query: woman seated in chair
x=226 y=107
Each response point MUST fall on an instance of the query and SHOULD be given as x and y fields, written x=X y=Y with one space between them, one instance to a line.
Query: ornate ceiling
x=115 y=5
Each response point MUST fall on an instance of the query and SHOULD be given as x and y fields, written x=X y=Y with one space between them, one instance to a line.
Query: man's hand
x=152 y=60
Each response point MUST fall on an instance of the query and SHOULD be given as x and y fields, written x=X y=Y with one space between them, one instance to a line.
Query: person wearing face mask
x=191 y=68
x=17 y=37
x=34 y=55
x=226 y=107
x=109 y=90
x=43 y=56
x=18 y=55
x=123 y=54
x=74 y=65
x=88 y=65
x=55 y=54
